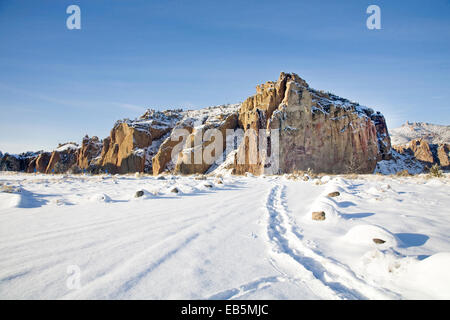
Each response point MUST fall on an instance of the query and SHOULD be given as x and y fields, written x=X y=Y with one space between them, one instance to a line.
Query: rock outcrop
x=176 y=153
x=40 y=163
x=443 y=155
x=125 y=150
x=186 y=163
x=315 y=130
x=90 y=150
x=62 y=158
x=10 y=162
x=294 y=126
x=426 y=153
x=163 y=158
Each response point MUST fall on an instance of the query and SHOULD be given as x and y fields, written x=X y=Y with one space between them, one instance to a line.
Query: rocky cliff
x=10 y=162
x=316 y=130
x=426 y=153
x=426 y=143
x=131 y=144
x=302 y=127
x=89 y=152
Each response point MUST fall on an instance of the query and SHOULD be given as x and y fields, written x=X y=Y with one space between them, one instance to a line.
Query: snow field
x=245 y=238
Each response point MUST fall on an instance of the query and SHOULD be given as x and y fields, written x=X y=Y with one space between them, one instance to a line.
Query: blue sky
x=57 y=84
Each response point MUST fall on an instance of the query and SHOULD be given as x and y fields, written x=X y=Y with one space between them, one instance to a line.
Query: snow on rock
x=399 y=162
x=67 y=146
x=366 y=235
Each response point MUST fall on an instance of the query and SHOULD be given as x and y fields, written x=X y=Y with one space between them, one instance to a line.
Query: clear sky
x=56 y=84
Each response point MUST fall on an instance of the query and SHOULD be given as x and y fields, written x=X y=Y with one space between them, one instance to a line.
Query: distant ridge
x=432 y=133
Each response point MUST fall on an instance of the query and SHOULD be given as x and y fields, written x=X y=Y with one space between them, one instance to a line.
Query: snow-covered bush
x=60 y=167
x=74 y=169
x=435 y=171
x=403 y=173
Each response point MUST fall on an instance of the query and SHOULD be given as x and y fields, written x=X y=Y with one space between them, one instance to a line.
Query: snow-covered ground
x=224 y=238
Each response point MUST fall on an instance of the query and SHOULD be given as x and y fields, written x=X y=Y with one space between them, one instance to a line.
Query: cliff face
x=186 y=159
x=90 y=150
x=9 y=162
x=426 y=153
x=125 y=150
x=57 y=161
x=294 y=126
x=316 y=130
x=177 y=152
x=40 y=163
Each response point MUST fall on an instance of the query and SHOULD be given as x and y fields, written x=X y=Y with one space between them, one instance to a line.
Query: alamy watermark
x=73 y=282
x=251 y=147
x=373 y=22
x=74 y=20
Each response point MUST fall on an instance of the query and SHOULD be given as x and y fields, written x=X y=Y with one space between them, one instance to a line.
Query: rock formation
x=443 y=155
x=62 y=158
x=125 y=150
x=40 y=163
x=163 y=159
x=186 y=159
x=316 y=130
x=90 y=150
x=10 y=162
x=426 y=153
x=179 y=142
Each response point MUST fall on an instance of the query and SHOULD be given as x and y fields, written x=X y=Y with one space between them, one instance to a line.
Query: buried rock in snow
x=334 y=194
x=370 y=234
x=175 y=190
x=139 y=193
x=101 y=197
x=318 y=215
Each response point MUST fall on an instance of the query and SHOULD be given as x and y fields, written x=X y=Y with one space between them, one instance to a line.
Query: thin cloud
x=46 y=98
x=130 y=106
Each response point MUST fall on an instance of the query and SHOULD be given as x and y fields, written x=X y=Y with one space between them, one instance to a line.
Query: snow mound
x=9 y=200
x=365 y=235
x=325 y=179
x=100 y=197
x=432 y=275
x=323 y=203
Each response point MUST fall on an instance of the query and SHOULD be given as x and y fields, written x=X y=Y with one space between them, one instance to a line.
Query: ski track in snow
x=247 y=288
x=298 y=263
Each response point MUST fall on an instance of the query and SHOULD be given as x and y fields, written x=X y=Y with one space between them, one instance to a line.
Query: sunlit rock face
x=89 y=151
x=316 y=130
x=129 y=145
x=427 y=153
